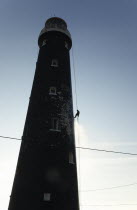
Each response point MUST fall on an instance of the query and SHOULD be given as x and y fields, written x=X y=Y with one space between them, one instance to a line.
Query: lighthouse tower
x=46 y=174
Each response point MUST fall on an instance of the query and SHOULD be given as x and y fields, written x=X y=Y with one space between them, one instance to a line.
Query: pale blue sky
x=104 y=35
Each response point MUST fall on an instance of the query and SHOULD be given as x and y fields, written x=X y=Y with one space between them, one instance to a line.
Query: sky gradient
x=104 y=35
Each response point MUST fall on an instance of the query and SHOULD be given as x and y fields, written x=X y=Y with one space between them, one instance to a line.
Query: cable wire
x=110 y=151
x=111 y=188
x=85 y=148
x=7 y=137
x=75 y=78
x=124 y=204
x=79 y=180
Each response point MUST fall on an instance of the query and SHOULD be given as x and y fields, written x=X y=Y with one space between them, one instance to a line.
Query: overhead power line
x=110 y=151
x=7 y=137
x=84 y=148
x=111 y=188
x=125 y=204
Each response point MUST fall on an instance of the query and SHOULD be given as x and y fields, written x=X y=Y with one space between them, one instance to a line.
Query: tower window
x=47 y=197
x=55 y=124
x=44 y=42
x=71 y=158
x=54 y=63
x=52 y=91
x=66 y=45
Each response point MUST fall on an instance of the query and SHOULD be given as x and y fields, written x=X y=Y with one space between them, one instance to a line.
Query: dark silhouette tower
x=46 y=174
